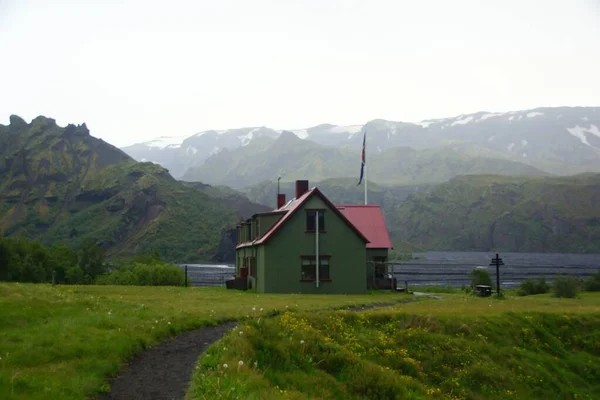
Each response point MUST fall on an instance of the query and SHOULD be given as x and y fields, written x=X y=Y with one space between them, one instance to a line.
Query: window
x=253 y=267
x=311 y=223
x=308 y=271
x=256 y=229
x=380 y=266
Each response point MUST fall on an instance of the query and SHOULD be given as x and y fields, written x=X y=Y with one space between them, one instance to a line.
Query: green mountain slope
x=61 y=185
x=293 y=158
x=504 y=213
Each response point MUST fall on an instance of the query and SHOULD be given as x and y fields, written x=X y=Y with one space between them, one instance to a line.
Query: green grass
x=65 y=342
x=460 y=347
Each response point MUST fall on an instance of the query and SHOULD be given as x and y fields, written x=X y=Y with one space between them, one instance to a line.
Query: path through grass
x=64 y=342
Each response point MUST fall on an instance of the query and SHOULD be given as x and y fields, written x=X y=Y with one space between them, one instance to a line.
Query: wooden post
x=497 y=261
x=53 y=277
x=185 y=284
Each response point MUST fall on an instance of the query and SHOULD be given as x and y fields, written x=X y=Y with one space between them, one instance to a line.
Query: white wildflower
x=224 y=348
x=253 y=308
x=302 y=342
x=169 y=322
x=240 y=363
x=225 y=366
x=261 y=309
x=241 y=333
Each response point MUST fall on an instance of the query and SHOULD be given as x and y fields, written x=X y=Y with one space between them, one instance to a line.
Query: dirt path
x=164 y=371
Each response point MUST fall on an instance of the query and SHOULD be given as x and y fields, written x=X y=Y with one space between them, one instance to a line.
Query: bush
x=565 y=286
x=156 y=274
x=592 y=284
x=480 y=277
x=533 y=286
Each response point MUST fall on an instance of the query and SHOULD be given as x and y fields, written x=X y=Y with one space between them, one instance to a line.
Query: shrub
x=565 y=286
x=592 y=284
x=533 y=286
x=480 y=277
x=156 y=274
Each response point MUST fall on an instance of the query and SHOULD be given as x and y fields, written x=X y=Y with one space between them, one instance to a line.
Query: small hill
x=62 y=185
x=524 y=214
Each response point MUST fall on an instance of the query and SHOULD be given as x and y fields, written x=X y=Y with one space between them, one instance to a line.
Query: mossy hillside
x=429 y=349
x=61 y=185
x=528 y=214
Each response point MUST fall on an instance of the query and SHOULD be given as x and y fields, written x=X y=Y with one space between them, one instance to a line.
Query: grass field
x=459 y=347
x=65 y=342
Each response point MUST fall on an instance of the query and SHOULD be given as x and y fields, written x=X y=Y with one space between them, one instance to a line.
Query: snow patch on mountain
x=346 y=129
x=534 y=114
x=214 y=150
x=301 y=133
x=524 y=142
x=166 y=141
x=510 y=146
x=425 y=124
x=580 y=132
x=462 y=121
x=191 y=150
x=245 y=139
x=489 y=115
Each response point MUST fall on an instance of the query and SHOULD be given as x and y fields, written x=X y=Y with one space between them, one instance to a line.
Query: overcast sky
x=134 y=70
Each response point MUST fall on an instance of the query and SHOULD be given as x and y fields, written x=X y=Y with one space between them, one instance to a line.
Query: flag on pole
x=362 y=165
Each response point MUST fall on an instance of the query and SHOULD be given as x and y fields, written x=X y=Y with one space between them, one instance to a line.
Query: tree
x=91 y=260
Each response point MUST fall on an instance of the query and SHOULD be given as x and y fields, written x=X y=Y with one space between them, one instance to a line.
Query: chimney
x=301 y=188
x=280 y=200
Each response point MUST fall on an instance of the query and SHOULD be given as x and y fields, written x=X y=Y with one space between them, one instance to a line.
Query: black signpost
x=497 y=261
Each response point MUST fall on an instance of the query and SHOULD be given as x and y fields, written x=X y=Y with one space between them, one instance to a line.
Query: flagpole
x=366 y=180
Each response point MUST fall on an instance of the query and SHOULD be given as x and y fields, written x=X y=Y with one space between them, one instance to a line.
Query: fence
x=457 y=274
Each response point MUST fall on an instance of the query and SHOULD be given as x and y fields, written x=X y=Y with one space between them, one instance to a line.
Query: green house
x=277 y=251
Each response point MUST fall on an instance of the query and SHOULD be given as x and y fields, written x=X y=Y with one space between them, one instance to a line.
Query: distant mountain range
x=295 y=158
x=561 y=141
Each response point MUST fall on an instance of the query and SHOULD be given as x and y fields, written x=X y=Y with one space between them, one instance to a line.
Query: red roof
x=294 y=205
x=369 y=220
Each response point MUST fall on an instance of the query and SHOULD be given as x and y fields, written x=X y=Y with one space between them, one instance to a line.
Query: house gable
x=300 y=204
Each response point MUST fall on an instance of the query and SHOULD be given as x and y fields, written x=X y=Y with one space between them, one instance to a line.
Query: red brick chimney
x=301 y=188
x=280 y=200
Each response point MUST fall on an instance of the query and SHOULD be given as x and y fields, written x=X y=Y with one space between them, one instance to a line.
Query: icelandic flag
x=362 y=165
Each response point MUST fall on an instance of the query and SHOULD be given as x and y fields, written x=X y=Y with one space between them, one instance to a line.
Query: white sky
x=134 y=70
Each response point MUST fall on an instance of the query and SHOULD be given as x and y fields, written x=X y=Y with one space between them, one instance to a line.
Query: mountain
x=485 y=213
x=293 y=158
x=178 y=154
x=560 y=140
x=62 y=185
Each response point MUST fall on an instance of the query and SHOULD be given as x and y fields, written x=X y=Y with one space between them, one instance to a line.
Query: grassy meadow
x=64 y=342
x=458 y=347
